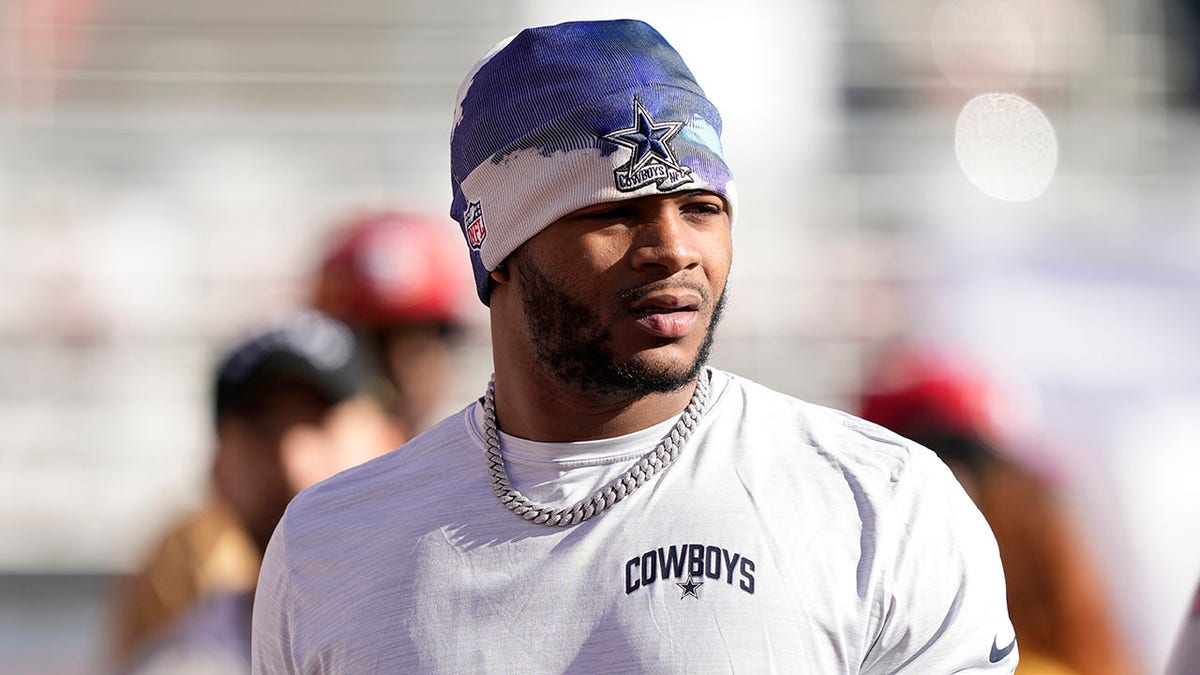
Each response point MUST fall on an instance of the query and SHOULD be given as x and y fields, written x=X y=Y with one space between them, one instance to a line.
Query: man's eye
x=706 y=208
x=607 y=214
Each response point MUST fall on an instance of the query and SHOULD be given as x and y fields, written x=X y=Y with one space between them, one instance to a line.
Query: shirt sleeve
x=272 y=631
x=1185 y=658
x=941 y=607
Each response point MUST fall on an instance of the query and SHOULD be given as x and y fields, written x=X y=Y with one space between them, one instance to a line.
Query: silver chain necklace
x=655 y=461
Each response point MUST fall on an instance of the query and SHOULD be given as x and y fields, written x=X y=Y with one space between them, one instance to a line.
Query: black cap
x=306 y=347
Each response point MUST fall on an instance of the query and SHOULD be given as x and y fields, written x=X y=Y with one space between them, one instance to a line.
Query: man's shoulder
x=388 y=476
x=849 y=442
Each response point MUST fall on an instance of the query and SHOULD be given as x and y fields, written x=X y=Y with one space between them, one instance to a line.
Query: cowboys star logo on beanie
x=561 y=117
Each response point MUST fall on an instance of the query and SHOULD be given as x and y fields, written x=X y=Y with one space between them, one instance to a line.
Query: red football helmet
x=914 y=390
x=389 y=268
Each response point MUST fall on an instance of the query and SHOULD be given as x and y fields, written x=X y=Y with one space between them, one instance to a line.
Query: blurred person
x=613 y=504
x=292 y=407
x=205 y=551
x=1185 y=656
x=397 y=280
x=1062 y=618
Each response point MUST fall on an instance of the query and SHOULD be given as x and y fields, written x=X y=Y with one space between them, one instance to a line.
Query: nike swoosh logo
x=998 y=654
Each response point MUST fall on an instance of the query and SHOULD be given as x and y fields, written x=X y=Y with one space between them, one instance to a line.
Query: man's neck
x=536 y=407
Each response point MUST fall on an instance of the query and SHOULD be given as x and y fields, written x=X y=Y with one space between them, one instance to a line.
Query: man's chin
x=658 y=369
x=653 y=374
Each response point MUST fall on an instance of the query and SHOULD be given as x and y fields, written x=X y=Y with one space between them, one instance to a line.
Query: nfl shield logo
x=473 y=225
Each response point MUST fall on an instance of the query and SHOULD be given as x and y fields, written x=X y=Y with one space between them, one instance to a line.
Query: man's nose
x=665 y=242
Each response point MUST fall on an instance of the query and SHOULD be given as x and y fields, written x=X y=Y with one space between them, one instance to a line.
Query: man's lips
x=682 y=300
x=667 y=314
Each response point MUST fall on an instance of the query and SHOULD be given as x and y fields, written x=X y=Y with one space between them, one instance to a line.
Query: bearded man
x=613 y=504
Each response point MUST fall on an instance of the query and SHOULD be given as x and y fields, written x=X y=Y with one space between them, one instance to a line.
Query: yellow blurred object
x=204 y=551
x=1037 y=663
x=1055 y=595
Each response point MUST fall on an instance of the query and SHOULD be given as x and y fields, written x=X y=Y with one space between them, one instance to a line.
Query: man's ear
x=500 y=275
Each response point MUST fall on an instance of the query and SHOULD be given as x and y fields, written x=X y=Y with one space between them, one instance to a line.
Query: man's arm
x=942 y=606
x=1185 y=658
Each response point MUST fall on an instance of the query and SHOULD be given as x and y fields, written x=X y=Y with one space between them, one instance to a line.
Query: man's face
x=295 y=440
x=622 y=298
x=249 y=469
x=416 y=356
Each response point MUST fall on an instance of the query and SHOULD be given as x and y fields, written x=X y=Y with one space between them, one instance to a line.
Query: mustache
x=632 y=295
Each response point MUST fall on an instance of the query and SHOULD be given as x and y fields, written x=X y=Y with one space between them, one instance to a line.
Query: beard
x=571 y=341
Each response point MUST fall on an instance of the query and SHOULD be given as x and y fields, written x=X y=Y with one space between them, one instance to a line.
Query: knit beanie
x=561 y=117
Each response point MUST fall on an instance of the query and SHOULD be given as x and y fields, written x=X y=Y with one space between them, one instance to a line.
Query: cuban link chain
x=655 y=461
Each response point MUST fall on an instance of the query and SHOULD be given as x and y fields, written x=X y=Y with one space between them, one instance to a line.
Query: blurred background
x=1016 y=182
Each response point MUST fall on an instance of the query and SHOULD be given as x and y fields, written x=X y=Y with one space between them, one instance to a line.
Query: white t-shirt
x=786 y=537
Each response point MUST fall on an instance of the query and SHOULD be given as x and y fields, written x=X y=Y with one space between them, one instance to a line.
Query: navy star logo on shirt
x=690 y=587
x=652 y=160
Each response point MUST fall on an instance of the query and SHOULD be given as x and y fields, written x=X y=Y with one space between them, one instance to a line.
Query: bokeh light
x=982 y=45
x=1006 y=146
